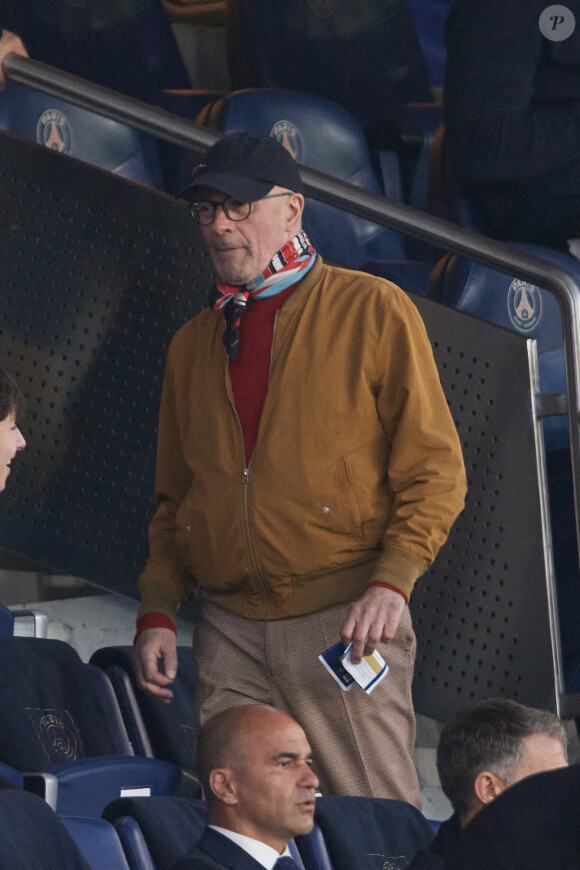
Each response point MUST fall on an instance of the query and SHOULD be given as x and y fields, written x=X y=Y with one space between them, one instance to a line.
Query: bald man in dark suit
x=255 y=765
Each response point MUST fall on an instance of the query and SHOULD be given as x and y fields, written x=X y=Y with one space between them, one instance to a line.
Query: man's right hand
x=153 y=646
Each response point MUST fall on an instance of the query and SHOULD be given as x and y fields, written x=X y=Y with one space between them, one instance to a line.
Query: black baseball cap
x=247 y=167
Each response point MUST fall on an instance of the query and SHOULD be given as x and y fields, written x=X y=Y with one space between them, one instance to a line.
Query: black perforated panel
x=481 y=612
x=97 y=275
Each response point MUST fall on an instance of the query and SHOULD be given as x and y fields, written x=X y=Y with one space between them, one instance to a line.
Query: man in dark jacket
x=482 y=750
x=532 y=826
x=512 y=115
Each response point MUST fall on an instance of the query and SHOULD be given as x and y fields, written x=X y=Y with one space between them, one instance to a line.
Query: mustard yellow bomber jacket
x=357 y=472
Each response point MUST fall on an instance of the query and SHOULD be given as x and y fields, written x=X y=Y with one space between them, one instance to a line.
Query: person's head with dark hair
x=11 y=440
x=10 y=395
x=491 y=745
x=255 y=766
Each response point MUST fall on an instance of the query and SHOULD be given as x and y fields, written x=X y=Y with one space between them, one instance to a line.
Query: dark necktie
x=286 y=863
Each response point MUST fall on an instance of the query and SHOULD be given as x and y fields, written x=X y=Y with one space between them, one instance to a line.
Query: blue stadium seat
x=157 y=832
x=134 y=843
x=164 y=829
x=155 y=729
x=59 y=720
x=369 y=833
x=33 y=837
x=70 y=130
x=6 y=622
x=516 y=305
x=98 y=842
x=364 y=55
x=321 y=135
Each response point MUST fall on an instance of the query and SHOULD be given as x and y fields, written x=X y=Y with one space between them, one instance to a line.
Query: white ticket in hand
x=367 y=674
x=370 y=670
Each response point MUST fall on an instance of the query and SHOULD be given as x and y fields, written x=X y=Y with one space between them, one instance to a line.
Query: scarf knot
x=287 y=266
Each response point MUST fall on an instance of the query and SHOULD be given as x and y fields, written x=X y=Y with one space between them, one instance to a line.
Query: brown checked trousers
x=362 y=744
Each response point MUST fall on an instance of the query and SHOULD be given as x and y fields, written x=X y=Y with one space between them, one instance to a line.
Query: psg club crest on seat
x=524 y=304
x=288 y=135
x=53 y=131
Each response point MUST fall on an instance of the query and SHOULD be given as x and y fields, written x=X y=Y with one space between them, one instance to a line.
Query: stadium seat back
x=165 y=731
x=321 y=135
x=32 y=836
x=85 y=135
x=516 y=305
x=370 y=833
x=59 y=719
x=159 y=831
x=49 y=710
x=98 y=842
x=166 y=827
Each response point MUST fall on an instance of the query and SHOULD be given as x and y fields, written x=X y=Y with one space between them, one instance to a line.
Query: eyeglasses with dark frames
x=204 y=211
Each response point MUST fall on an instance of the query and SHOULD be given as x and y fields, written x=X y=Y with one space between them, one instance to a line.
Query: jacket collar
x=226 y=852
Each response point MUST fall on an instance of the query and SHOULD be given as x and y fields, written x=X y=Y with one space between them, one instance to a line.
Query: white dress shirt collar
x=261 y=852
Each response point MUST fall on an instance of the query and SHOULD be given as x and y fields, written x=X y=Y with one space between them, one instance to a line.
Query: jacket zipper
x=256 y=573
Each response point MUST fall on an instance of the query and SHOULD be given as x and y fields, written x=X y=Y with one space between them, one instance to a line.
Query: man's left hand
x=372 y=619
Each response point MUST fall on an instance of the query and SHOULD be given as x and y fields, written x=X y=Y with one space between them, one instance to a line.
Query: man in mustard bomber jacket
x=308 y=472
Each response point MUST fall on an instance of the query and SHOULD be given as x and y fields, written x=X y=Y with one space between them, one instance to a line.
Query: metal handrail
x=497 y=255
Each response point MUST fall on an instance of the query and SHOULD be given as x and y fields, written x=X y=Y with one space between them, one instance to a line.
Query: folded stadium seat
x=321 y=135
x=33 y=837
x=70 y=130
x=369 y=833
x=155 y=729
x=156 y=832
x=364 y=55
x=61 y=727
x=98 y=842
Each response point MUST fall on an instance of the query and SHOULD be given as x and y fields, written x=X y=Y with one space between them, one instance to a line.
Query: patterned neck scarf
x=286 y=267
